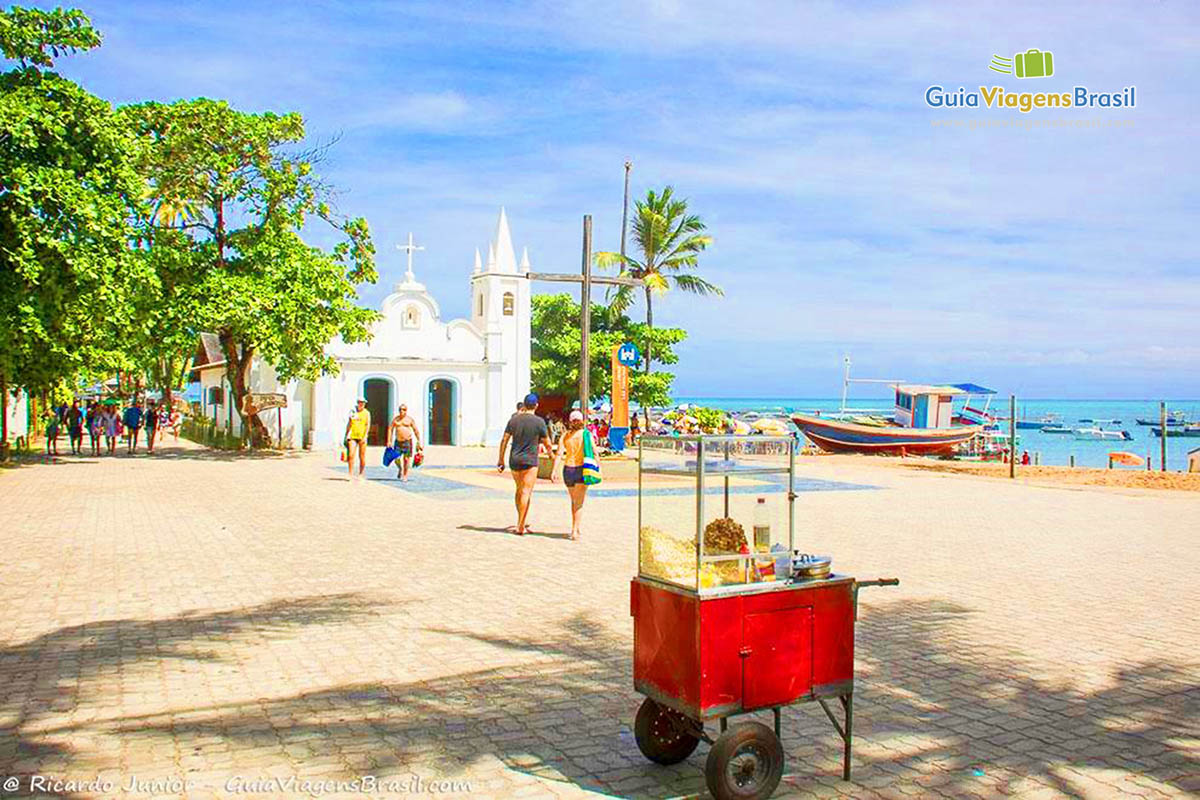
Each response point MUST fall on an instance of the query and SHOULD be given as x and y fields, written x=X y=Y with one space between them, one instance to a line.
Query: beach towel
x=591 y=464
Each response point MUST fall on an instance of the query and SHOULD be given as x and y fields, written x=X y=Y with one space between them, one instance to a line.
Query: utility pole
x=1162 y=429
x=625 y=207
x=1012 y=436
x=585 y=320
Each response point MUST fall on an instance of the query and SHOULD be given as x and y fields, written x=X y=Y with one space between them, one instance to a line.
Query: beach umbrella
x=771 y=427
x=740 y=427
x=1125 y=457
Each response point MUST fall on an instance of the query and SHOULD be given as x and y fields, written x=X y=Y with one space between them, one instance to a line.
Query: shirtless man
x=403 y=431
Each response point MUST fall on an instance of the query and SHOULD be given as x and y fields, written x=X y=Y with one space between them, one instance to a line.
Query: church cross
x=409 y=248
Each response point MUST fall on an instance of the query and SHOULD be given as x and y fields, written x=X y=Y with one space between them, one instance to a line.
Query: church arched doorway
x=378 y=392
x=441 y=411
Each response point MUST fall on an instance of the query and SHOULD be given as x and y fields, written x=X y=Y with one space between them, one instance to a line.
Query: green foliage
x=556 y=350
x=670 y=240
x=67 y=192
x=711 y=420
x=33 y=36
x=228 y=203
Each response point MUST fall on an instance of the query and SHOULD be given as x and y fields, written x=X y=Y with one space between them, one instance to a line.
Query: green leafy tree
x=669 y=240
x=228 y=182
x=556 y=348
x=68 y=191
x=36 y=37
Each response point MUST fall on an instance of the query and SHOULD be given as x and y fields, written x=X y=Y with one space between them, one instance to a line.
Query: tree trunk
x=3 y=418
x=168 y=379
x=237 y=370
x=649 y=330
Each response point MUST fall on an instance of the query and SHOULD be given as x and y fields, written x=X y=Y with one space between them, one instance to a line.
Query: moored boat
x=921 y=424
x=1096 y=432
x=1191 y=430
x=839 y=437
x=1046 y=421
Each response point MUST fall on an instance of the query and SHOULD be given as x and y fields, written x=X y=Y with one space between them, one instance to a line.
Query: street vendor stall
x=727 y=623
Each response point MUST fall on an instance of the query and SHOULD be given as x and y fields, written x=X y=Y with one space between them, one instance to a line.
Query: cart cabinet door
x=777 y=649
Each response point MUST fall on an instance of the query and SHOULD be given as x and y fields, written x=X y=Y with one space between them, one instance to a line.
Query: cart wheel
x=661 y=733
x=745 y=763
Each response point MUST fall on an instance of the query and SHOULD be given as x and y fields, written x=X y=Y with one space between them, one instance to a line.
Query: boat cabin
x=919 y=406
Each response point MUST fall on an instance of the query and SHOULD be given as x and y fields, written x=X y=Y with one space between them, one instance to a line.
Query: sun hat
x=576 y=416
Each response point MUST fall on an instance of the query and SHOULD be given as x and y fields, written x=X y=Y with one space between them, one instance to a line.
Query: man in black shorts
x=525 y=430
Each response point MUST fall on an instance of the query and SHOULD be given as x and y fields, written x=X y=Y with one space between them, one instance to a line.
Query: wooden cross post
x=585 y=279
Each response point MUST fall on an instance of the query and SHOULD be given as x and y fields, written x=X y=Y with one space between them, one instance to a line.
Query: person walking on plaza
x=133 y=424
x=356 y=436
x=403 y=431
x=50 y=418
x=75 y=428
x=526 y=431
x=570 y=454
x=91 y=421
x=110 y=423
x=151 y=425
x=174 y=421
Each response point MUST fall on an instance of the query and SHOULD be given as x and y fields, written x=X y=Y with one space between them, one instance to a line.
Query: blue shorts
x=572 y=476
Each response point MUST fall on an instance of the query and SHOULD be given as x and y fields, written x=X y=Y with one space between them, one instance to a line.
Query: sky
x=1049 y=262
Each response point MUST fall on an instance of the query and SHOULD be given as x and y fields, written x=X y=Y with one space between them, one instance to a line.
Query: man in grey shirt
x=525 y=431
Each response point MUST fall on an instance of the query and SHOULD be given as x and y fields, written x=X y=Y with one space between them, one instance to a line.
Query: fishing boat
x=1174 y=419
x=1096 y=432
x=922 y=423
x=1045 y=421
x=1191 y=430
x=969 y=414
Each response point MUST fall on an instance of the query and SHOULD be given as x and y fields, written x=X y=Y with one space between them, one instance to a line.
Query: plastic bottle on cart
x=783 y=562
x=762 y=526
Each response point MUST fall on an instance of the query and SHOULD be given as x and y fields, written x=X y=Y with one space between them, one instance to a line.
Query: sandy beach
x=1119 y=477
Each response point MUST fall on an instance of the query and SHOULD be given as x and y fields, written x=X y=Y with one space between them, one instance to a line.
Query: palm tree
x=670 y=240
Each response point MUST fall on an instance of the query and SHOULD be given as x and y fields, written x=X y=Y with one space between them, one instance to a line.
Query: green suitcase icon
x=1034 y=63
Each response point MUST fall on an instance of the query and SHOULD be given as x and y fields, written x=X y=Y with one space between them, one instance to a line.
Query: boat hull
x=836 y=436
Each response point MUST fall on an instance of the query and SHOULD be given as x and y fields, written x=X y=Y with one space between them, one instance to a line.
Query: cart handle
x=880 y=582
x=877 y=582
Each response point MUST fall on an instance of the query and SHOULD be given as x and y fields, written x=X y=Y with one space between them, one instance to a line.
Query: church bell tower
x=501 y=309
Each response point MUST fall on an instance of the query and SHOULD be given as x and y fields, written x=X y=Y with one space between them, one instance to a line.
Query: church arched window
x=412 y=317
x=508 y=304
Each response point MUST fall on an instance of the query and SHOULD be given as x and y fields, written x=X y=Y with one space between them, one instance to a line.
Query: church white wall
x=409 y=384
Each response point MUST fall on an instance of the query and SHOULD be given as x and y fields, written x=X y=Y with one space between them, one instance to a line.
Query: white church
x=460 y=379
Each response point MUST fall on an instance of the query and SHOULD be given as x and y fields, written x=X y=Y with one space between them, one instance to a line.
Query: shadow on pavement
x=936 y=711
x=511 y=531
x=48 y=677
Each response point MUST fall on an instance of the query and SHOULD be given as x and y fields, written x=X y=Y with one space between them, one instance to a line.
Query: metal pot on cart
x=728 y=624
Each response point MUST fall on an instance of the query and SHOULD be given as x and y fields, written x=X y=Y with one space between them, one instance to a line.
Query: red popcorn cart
x=728 y=617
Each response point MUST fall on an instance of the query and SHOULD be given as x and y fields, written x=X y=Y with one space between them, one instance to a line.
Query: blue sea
x=1053 y=449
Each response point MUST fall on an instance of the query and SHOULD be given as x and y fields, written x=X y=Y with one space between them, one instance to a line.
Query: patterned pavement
x=203 y=625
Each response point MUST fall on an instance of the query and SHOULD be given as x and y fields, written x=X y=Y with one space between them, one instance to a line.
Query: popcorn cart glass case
x=728 y=617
